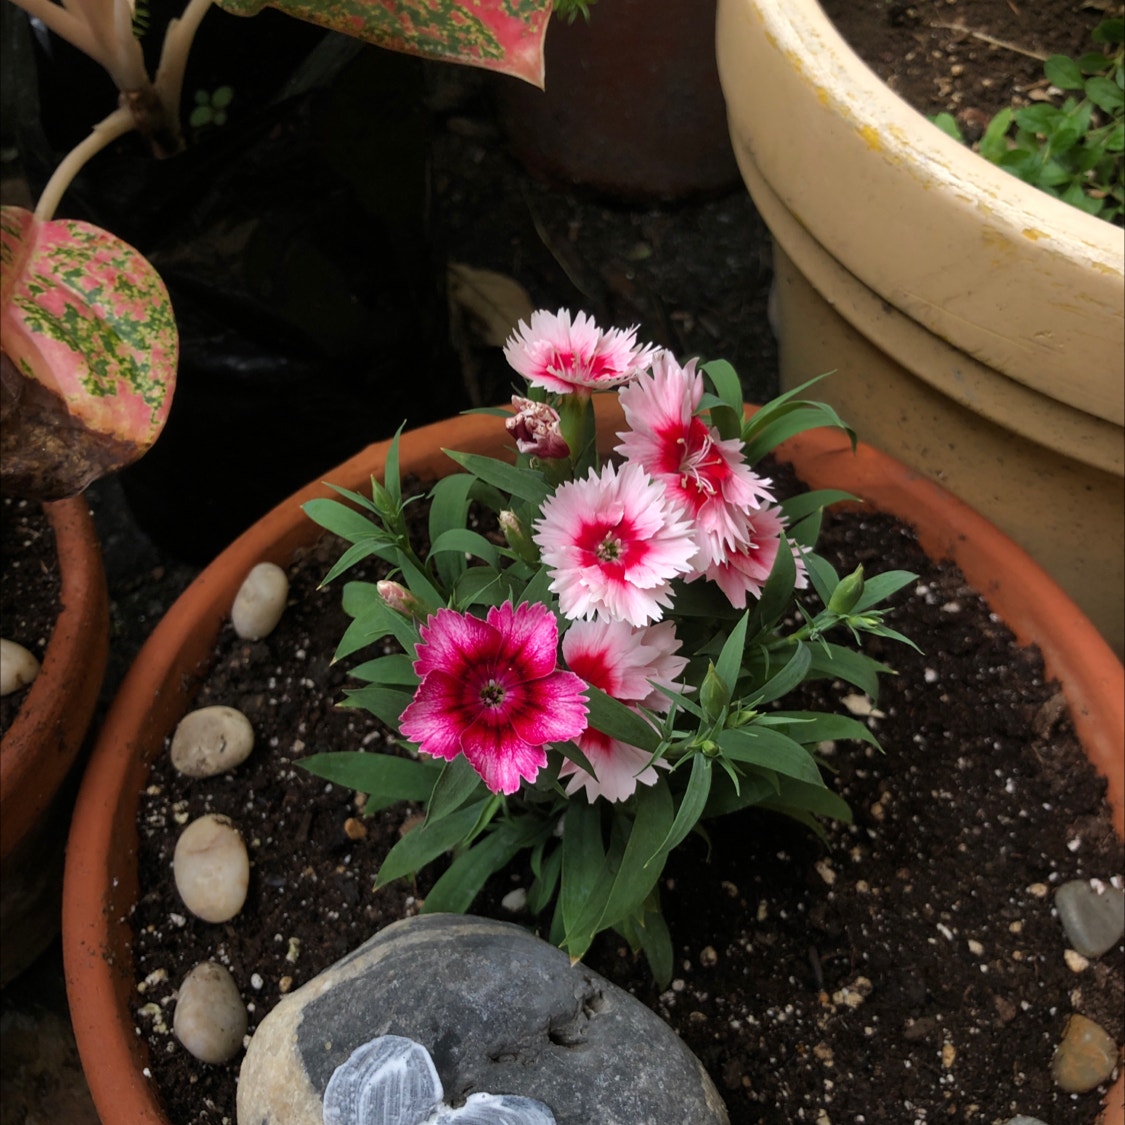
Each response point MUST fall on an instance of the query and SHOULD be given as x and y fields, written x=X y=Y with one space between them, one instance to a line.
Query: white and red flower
x=745 y=570
x=535 y=426
x=577 y=356
x=707 y=475
x=629 y=664
x=492 y=690
x=613 y=543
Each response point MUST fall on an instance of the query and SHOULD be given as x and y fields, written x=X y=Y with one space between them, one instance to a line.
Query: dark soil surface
x=908 y=968
x=970 y=58
x=29 y=590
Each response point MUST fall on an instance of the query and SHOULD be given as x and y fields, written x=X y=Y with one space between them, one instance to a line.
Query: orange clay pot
x=40 y=747
x=101 y=874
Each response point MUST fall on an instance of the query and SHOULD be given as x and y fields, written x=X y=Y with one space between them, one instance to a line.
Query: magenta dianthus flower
x=613 y=543
x=492 y=690
x=575 y=357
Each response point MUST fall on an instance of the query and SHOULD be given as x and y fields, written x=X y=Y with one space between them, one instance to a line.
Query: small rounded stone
x=1085 y=1058
x=211 y=868
x=18 y=667
x=211 y=740
x=210 y=1018
x=260 y=602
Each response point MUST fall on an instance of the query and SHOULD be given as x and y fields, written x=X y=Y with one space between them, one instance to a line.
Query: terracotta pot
x=40 y=747
x=101 y=875
x=632 y=105
x=974 y=323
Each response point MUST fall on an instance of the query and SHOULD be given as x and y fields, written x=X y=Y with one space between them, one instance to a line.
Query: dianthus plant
x=602 y=663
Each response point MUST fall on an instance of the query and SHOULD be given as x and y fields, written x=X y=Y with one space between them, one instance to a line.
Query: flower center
x=610 y=549
x=492 y=694
x=697 y=464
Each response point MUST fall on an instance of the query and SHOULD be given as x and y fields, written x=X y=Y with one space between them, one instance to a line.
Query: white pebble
x=210 y=1019
x=18 y=667
x=260 y=602
x=211 y=741
x=211 y=868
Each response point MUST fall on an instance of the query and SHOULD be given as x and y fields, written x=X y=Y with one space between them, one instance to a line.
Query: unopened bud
x=399 y=598
x=518 y=539
x=847 y=593
x=714 y=695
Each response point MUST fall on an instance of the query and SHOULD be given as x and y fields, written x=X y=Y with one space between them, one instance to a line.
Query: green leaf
x=729 y=664
x=1063 y=72
x=643 y=860
x=805 y=503
x=341 y=520
x=691 y=805
x=613 y=718
x=384 y=777
x=449 y=507
x=845 y=664
x=586 y=874
x=454 y=892
x=386 y=704
x=879 y=587
x=781 y=684
x=947 y=123
x=799 y=416
x=457 y=782
x=429 y=840
x=762 y=746
x=465 y=541
x=398 y=668
x=1105 y=94
x=994 y=144
x=810 y=727
x=524 y=483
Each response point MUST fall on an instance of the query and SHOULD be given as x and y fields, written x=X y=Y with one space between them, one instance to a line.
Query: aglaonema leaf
x=501 y=35
x=89 y=358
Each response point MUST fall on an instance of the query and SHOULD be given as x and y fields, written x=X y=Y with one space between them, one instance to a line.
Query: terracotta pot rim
x=97 y=894
x=43 y=741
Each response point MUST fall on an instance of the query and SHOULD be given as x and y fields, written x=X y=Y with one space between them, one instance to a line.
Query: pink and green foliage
x=501 y=35
x=89 y=345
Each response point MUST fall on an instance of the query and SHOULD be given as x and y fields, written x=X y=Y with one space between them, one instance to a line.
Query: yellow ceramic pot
x=976 y=325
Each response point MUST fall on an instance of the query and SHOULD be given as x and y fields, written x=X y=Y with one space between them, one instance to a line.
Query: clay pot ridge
x=101 y=877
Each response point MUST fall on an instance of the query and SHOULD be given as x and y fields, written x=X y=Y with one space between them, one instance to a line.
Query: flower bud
x=535 y=426
x=399 y=598
x=518 y=539
x=714 y=695
x=847 y=593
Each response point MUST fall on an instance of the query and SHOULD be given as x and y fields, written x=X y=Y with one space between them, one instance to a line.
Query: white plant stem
x=178 y=39
x=117 y=124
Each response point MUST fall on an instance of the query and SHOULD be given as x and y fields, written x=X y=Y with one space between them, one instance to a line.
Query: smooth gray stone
x=1093 y=917
x=500 y=1012
x=1021 y=1119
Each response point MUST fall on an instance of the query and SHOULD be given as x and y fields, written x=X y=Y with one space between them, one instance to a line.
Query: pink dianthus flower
x=628 y=664
x=492 y=690
x=745 y=569
x=613 y=543
x=575 y=357
x=707 y=475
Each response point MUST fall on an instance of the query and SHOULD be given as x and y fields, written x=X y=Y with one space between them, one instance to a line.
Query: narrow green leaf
x=386 y=704
x=341 y=520
x=691 y=806
x=456 y=784
x=524 y=483
x=759 y=745
x=429 y=840
x=384 y=777
x=729 y=664
x=781 y=684
x=398 y=668
x=613 y=718
x=465 y=541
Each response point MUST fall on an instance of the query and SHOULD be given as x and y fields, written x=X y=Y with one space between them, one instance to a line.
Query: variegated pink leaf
x=89 y=349
x=501 y=35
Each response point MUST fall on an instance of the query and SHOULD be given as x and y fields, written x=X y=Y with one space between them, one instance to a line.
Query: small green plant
x=211 y=109
x=1075 y=151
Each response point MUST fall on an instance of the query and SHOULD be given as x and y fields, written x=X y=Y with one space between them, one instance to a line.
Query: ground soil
x=908 y=968
x=970 y=58
x=29 y=591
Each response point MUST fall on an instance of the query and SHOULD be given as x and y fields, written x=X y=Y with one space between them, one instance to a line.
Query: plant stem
x=117 y=124
x=178 y=39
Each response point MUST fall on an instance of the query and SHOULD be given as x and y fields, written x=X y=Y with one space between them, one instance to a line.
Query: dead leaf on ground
x=492 y=302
